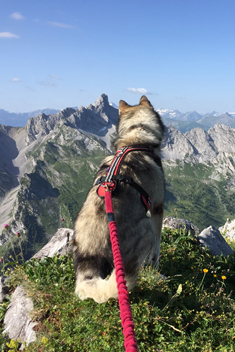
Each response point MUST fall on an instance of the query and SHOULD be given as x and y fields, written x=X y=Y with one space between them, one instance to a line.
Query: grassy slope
x=191 y=310
x=197 y=196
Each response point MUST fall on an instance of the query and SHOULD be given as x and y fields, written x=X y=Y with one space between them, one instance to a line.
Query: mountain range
x=47 y=167
x=182 y=121
x=188 y=121
x=20 y=119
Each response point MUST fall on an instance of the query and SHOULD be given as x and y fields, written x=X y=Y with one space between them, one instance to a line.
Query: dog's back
x=139 y=236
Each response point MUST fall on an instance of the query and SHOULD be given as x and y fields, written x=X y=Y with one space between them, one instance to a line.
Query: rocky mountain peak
x=103 y=101
x=107 y=111
x=202 y=142
x=191 y=116
x=65 y=113
x=96 y=118
x=223 y=137
x=197 y=144
x=176 y=145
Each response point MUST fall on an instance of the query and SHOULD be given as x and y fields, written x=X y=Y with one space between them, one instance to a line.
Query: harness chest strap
x=113 y=177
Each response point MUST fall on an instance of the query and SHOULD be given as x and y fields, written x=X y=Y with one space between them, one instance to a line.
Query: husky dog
x=139 y=236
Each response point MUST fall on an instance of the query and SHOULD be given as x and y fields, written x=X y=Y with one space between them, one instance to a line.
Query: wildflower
x=205 y=271
x=223 y=277
x=192 y=267
x=62 y=219
x=6 y=226
x=44 y=340
x=215 y=275
x=175 y=209
x=13 y=344
x=1 y=259
x=17 y=234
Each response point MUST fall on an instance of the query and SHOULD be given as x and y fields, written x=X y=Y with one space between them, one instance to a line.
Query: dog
x=139 y=236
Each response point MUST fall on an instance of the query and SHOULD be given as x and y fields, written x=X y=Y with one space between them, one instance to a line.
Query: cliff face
x=198 y=145
x=47 y=167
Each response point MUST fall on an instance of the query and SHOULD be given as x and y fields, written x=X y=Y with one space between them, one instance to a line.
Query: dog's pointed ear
x=123 y=106
x=144 y=101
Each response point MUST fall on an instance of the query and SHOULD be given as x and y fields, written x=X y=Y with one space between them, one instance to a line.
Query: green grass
x=197 y=196
x=192 y=309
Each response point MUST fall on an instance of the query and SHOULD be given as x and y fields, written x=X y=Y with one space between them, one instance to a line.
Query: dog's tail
x=100 y=290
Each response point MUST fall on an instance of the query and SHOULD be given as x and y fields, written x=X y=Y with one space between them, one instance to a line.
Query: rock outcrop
x=18 y=323
x=209 y=237
x=214 y=241
x=17 y=320
x=60 y=244
x=176 y=223
x=228 y=230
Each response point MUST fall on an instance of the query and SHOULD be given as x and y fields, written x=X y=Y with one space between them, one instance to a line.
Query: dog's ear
x=144 y=101
x=123 y=106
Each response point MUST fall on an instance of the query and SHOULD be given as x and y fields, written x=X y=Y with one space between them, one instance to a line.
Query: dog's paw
x=81 y=294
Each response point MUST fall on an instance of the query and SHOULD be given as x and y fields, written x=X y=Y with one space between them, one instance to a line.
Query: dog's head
x=139 y=124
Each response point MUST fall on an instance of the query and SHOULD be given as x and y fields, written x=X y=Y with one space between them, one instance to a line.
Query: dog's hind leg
x=140 y=249
x=91 y=273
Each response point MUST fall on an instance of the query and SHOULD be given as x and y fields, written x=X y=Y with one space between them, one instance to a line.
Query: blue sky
x=57 y=53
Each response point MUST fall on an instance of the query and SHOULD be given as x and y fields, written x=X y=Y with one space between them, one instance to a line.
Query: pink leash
x=123 y=297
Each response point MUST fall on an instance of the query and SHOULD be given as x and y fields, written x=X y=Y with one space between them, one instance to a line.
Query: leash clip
x=105 y=187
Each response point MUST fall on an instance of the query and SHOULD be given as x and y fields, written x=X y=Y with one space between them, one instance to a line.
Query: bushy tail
x=100 y=290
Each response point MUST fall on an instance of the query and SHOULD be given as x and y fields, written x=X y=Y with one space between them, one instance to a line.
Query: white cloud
x=8 y=35
x=138 y=90
x=17 y=16
x=15 y=79
x=61 y=25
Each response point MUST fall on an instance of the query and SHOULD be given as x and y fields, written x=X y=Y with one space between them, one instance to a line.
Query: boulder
x=175 y=223
x=212 y=238
x=228 y=230
x=60 y=243
x=17 y=321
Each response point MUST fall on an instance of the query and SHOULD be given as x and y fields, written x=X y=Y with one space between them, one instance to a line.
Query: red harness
x=113 y=177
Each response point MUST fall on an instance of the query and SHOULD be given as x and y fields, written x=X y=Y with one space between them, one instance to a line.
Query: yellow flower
x=223 y=277
x=44 y=340
x=13 y=344
x=192 y=267
x=215 y=275
x=205 y=271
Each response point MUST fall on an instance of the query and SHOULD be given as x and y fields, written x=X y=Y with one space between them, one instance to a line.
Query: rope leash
x=130 y=342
